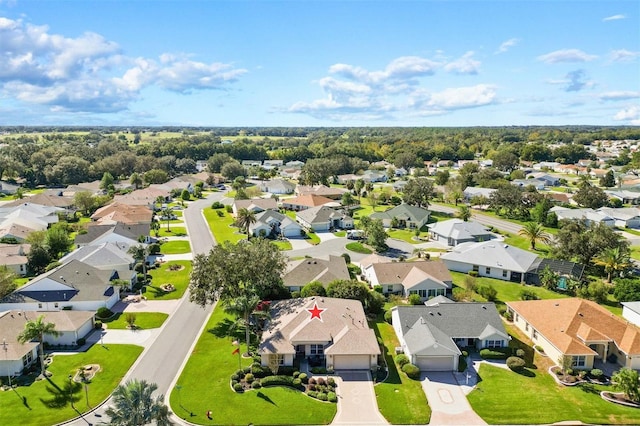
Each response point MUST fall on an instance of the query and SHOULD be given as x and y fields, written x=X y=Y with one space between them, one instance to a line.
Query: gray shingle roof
x=458 y=229
x=304 y=271
x=403 y=212
x=494 y=254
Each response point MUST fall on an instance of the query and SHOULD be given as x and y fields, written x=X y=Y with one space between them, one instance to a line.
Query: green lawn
x=400 y=399
x=46 y=402
x=144 y=320
x=358 y=248
x=313 y=238
x=175 y=247
x=221 y=227
x=505 y=397
x=162 y=275
x=174 y=231
x=407 y=234
x=283 y=245
x=204 y=385
x=340 y=233
x=19 y=282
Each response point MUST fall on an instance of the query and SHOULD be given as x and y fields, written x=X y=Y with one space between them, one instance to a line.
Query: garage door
x=351 y=362
x=435 y=363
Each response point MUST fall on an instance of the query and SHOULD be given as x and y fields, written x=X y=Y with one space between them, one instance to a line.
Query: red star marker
x=316 y=312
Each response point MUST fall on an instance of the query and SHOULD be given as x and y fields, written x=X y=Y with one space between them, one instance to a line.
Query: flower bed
x=618 y=398
x=565 y=379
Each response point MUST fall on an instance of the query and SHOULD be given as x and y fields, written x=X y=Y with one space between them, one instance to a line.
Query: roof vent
x=484 y=307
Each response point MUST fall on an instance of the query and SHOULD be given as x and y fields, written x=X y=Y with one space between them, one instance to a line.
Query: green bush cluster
x=237 y=387
x=259 y=371
x=256 y=384
x=104 y=313
x=303 y=377
x=412 y=371
x=332 y=397
x=217 y=205
x=280 y=380
x=596 y=373
x=387 y=316
x=462 y=363
x=488 y=292
x=515 y=363
x=402 y=360
x=496 y=353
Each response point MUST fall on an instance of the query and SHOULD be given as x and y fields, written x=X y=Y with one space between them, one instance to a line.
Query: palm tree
x=613 y=259
x=35 y=330
x=134 y=405
x=167 y=212
x=140 y=253
x=244 y=307
x=136 y=180
x=534 y=232
x=160 y=201
x=358 y=185
x=464 y=213
x=245 y=219
x=155 y=227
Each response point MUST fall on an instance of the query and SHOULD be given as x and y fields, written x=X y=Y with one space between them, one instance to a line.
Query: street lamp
x=6 y=349
x=71 y=390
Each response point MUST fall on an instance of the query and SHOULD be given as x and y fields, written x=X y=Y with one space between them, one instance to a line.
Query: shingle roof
x=125 y=213
x=396 y=272
x=304 y=271
x=262 y=203
x=404 y=212
x=102 y=255
x=131 y=232
x=14 y=254
x=495 y=254
x=321 y=214
x=458 y=229
x=567 y=322
x=310 y=200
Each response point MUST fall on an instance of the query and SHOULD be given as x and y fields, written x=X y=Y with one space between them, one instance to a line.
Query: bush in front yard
x=237 y=387
x=515 y=363
x=412 y=371
x=249 y=378
x=303 y=377
x=462 y=363
x=104 y=313
x=414 y=299
x=596 y=373
x=387 y=316
x=259 y=371
x=539 y=349
x=401 y=360
x=256 y=385
x=496 y=353
x=520 y=353
x=332 y=397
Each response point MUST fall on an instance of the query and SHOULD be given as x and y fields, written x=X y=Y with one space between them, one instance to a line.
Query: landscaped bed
x=175 y=273
x=46 y=402
x=205 y=385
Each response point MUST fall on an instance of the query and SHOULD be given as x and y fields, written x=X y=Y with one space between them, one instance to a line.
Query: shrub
x=515 y=363
x=235 y=377
x=387 y=316
x=249 y=378
x=465 y=354
x=319 y=370
x=217 y=205
x=462 y=363
x=520 y=353
x=240 y=373
x=596 y=373
x=473 y=273
x=237 y=387
x=414 y=299
x=312 y=394
x=528 y=295
x=81 y=341
x=331 y=382
x=220 y=213
x=497 y=353
x=312 y=381
x=286 y=370
x=104 y=313
x=332 y=397
x=488 y=292
x=247 y=369
x=297 y=382
x=507 y=315
x=228 y=208
x=154 y=248
x=311 y=387
x=321 y=381
x=323 y=396
x=377 y=288
x=539 y=348
x=303 y=377
x=402 y=360
x=256 y=384
x=412 y=371
x=259 y=371
x=98 y=325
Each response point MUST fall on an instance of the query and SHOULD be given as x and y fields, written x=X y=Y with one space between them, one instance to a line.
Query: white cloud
x=623 y=55
x=507 y=45
x=613 y=18
x=463 y=65
x=574 y=81
x=566 y=55
x=630 y=114
x=463 y=97
x=402 y=68
x=90 y=73
x=619 y=95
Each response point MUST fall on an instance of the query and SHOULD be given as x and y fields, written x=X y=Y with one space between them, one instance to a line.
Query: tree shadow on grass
x=157 y=291
x=392 y=377
x=60 y=397
x=526 y=373
x=528 y=351
x=225 y=328
x=266 y=398
x=589 y=388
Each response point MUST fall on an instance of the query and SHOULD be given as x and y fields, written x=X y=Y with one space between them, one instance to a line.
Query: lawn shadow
x=529 y=353
x=526 y=373
x=224 y=328
x=60 y=397
x=157 y=291
x=266 y=398
x=588 y=388
x=392 y=376
x=113 y=318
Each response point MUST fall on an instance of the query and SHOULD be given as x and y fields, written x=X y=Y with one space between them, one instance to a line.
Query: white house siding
x=15 y=366
x=70 y=337
x=425 y=286
x=287 y=358
x=494 y=337
x=20 y=270
x=549 y=349
x=634 y=362
x=495 y=272
x=632 y=316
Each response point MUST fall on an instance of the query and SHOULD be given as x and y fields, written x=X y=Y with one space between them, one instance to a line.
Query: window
x=413 y=291
x=389 y=288
x=535 y=334
x=422 y=293
x=578 y=361
x=487 y=270
x=39 y=305
x=504 y=273
x=316 y=349
x=476 y=268
x=526 y=327
x=277 y=358
x=27 y=359
x=494 y=344
x=55 y=305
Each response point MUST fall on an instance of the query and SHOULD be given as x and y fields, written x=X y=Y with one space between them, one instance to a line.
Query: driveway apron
x=357 y=400
x=449 y=405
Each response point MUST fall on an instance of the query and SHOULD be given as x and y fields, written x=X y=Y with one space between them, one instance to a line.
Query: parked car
x=170 y=217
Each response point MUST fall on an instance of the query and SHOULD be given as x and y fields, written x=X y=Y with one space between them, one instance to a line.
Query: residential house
x=14 y=257
x=493 y=259
x=472 y=192
x=273 y=223
x=545 y=165
x=321 y=190
x=8 y=188
x=124 y=213
x=427 y=279
x=523 y=183
x=272 y=164
x=399 y=185
x=295 y=164
x=117 y=233
x=598 y=173
x=329 y=332
x=324 y=218
x=580 y=329
x=144 y=197
x=72 y=326
x=74 y=285
x=304 y=202
x=374 y=176
x=303 y=271
x=255 y=205
x=277 y=186
x=404 y=216
x=432 y=336
x=15 y=231
x=400 y=172
x=346 y=178
x=456 y=231
x=49 y=198
x=624 y=217
x=631 y=312
x=202 y=165
x=565 y=270
x=111 y=256
x=627 y=197
x=588 y=216
x=247 y=164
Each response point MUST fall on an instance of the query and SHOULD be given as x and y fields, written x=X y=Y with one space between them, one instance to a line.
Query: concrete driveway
x=357 y=400
x=449 y=405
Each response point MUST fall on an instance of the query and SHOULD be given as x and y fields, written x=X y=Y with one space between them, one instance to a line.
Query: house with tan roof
x=304 y=202
x=277 y=186
x=256 y=205
x=124 y=213
x=144 y=197
x=303 y=271
x=322 y=330
x=427 y=279
x=72 y=325
x=50 y=198
x=321 y=190
x=580 y=329
x=14 y=257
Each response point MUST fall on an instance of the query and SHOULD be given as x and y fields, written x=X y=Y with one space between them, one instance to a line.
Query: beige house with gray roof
x=321 y=330
x=301 y=272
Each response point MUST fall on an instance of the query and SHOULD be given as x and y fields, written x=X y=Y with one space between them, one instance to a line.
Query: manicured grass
x=505 y=397
x=174 y=231
x=524 y=244
x=175 y=247
x=313 y=238
x=47 y=402
x=162 y=275
x=400 y=399
x=406 y=235
x=283 y=245
x=20 y=282
x=204 y=385
x=358 y=248
x=144 y=320
x=340 y=233
x=221 y=226
x=291 y=214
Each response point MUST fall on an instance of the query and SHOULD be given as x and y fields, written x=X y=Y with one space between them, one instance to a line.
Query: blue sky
x=319 y=63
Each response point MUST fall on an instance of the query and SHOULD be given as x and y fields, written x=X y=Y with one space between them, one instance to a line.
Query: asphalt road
x=163 y=360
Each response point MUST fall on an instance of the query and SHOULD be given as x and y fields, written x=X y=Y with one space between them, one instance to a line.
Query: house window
x=494 y=344
x=27 y=359
x=55 y=305
x=487 y=271
x=39 y=305
x=578 y=361
x=476 y=268
x=526 y=327
x=316 y=349
x=277 y=358
x=422 y=293
x=535 y=334
x=504 y=273
x=413 y=291
x=389 y=288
